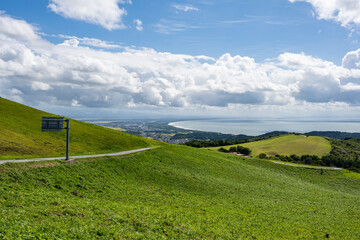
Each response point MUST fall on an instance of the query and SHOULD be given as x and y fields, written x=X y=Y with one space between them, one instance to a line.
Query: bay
x=258 y=127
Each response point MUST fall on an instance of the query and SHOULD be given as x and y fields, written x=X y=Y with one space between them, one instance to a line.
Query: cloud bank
x=346 y=12
x=105 y=13
x=73 y=73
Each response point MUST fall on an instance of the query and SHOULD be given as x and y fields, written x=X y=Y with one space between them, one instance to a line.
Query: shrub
x=233 y=149
x=262 y=156
x=223 y=150
x=243 y=150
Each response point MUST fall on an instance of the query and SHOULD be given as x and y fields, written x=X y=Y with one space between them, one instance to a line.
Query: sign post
x=67 y=138
x=56 y=124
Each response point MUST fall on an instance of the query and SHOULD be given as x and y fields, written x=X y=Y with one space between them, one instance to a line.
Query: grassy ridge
x=289 y=144
x=177 y=192
x=21 y=136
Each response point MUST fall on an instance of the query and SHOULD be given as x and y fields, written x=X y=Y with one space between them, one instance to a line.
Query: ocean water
x=258 y=127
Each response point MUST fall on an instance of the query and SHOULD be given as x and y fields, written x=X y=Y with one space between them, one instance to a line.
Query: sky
x=192 y=58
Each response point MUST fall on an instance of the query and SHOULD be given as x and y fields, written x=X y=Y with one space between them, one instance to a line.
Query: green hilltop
x=287 y=145
x=21 y=135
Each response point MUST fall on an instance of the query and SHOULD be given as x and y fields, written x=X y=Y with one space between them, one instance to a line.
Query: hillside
x=334 y=134
x=21 y=136
x=177 y=192
x=287 y=145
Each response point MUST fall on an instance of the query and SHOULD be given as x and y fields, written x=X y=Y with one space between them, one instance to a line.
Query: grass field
x=21 y=136
x=177 y=192
x=287 y=145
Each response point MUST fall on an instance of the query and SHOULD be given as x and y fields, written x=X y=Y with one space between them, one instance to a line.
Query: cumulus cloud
x=346 y=12
x=70 y=74
x=105 y=13
x=70 y=43
x=352 y=59
x=17 y=29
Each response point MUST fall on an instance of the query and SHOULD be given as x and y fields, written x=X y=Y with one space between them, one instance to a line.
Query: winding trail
x=75 y=157
x=310 y=167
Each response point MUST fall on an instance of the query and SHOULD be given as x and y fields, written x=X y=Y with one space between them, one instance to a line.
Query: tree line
x=329 y=160
x=220 y=143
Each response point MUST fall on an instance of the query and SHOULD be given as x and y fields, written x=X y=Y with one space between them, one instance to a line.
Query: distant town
x=155 y=129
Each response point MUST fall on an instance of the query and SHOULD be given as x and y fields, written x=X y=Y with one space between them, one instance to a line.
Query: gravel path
x=74 y=157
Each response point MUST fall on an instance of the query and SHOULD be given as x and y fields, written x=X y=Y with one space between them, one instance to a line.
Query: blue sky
x=258 y=28
x=195 y=57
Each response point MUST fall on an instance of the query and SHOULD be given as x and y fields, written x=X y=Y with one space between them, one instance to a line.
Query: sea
x=258 y=127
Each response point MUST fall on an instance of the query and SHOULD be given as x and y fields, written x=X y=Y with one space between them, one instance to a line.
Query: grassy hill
x=177 y=192
x=289 y=144
x=172 y=192
x=21 y=136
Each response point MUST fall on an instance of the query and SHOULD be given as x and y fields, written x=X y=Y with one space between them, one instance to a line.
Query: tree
x=243 y=150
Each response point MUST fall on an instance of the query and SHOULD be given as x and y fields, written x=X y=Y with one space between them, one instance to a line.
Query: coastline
x=173 y=124
x=258 y=127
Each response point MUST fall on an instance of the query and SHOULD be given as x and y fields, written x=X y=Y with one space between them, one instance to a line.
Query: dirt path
x=74 y=157
x=310 y=167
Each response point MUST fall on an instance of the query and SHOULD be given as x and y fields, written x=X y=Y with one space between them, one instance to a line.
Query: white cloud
x=70 y=74
x=352 y=59
x=166 y=26
x=351 y=87
x=138 y=25
x=185 y=8
x=40 y=86
x=70 y=43
x=105 y=13
x=91 y=42
x=346 y=12
x=17 y=29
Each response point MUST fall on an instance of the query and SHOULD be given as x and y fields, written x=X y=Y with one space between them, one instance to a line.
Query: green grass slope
x=177 y=192
x=289 y=144
x=21 y=136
